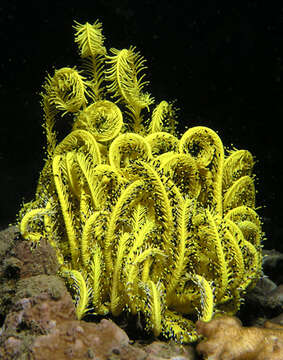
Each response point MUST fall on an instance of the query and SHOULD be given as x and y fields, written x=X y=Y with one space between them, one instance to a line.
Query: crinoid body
x=141 y=219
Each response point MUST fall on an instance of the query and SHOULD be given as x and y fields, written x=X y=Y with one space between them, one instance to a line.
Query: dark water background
x=221 y=60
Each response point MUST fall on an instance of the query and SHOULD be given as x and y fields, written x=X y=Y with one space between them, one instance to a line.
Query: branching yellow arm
x=124 y=201
x=31 y=216
x=66 y=209
x=116 y=304
x=154 y=294
x=206 y=297
x=82 y=291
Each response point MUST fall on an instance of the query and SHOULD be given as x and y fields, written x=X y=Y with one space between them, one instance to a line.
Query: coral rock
x=38 y=285
x=82 y=340
x=41 y=260
x=227 y=339
x=6 y=239
x=162 y=350
x=31 y=317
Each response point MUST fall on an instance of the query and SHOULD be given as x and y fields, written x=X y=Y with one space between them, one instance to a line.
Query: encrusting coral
x=141 y=219
x=227 y=339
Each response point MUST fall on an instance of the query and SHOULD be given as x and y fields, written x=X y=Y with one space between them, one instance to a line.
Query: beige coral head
x=227 y=339
x=207 y=329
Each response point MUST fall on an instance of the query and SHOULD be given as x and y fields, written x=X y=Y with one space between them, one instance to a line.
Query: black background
x=221 y=60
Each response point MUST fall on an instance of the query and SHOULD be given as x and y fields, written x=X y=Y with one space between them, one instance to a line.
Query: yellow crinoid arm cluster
x=141 y=219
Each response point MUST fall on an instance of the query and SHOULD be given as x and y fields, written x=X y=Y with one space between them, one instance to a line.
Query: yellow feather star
x=141 y=220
